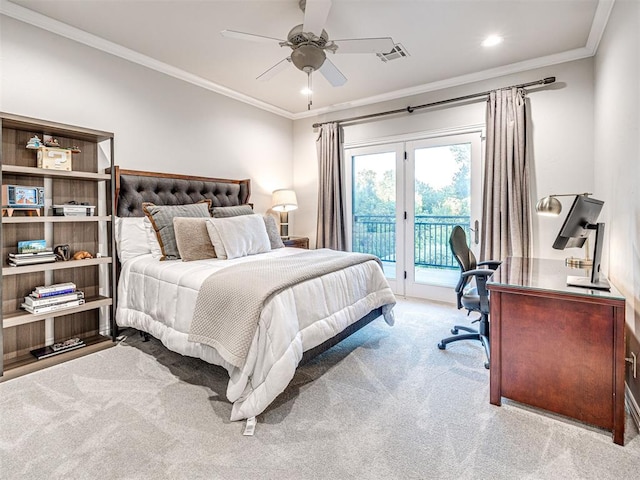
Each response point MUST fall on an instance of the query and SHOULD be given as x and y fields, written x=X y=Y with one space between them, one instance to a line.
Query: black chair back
x=463 y=255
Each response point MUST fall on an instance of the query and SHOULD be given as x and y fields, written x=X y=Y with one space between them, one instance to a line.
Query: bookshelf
x=89 y=182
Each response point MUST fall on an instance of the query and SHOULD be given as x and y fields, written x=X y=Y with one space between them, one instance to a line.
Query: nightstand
x=298 y=242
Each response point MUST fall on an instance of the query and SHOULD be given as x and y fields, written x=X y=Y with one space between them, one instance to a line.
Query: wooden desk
x=556 y=347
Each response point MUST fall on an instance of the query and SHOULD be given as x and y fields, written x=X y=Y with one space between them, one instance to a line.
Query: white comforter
x=159 y=298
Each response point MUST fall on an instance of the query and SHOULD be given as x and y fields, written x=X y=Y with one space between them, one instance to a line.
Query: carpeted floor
x=385 y=404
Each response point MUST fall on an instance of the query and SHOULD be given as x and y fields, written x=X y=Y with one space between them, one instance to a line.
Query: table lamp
x=284 y=201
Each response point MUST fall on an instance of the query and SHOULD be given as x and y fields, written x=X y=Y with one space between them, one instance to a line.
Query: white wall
x=160 y=123
x=562 y=132
x=617 y=149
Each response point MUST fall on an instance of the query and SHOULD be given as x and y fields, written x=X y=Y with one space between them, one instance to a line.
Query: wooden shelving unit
x=88 y=183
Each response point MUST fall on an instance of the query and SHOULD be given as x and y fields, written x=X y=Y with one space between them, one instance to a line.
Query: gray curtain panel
x=506 y=215
x=331 y=232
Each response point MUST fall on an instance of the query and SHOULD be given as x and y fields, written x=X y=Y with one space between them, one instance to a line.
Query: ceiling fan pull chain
x=309 y=90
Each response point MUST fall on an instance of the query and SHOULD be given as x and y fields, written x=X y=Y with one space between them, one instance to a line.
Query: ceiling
x=182 y=38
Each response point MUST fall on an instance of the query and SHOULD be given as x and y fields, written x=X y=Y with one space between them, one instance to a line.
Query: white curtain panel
x=506 y=215
x=331 y=231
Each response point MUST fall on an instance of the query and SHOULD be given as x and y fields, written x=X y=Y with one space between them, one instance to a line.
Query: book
x=48 y=251
x=52 y=308
x=30 y=246
x=19 y=262
x=52 y=300
x=52 y=294
x=50 y=351
x=56 y=287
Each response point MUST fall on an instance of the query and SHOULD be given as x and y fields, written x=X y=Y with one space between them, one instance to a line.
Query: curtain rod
x=544 y=81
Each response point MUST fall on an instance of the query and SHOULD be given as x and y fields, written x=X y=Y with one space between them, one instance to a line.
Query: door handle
x=476 y=232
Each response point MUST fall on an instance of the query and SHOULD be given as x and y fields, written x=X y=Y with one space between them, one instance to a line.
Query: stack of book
x=20 y=259
x=53 y=297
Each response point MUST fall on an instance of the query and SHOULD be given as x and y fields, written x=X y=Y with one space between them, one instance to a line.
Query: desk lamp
x=550 y=206
x=284 y=201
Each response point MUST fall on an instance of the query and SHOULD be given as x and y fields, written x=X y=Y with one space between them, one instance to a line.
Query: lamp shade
x=550 y=206
x=284 y=200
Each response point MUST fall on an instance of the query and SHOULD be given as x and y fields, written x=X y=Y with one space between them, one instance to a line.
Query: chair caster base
x=486 y=365
x=454 y=331
x=442 y=346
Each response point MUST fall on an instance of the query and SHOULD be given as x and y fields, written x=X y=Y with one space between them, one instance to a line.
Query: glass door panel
x=440 y=181
x=374 y=226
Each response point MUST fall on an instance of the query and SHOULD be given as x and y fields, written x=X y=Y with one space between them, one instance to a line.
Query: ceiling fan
x=309 y=43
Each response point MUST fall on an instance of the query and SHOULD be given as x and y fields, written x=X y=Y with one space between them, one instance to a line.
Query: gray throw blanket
x=230 y=301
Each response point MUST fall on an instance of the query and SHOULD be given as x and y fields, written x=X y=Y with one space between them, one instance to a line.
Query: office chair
x=474 y=299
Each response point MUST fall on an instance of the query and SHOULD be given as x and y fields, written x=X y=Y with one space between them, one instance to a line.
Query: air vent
x=398 y=51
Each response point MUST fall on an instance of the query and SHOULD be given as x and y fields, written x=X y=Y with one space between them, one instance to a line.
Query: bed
x=171 y=299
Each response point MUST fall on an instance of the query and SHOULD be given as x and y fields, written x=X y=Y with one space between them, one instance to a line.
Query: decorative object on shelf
x=49 y=141
x=73 y=209
x=81 y=255
x=34 y=143
x=56 y=348
x=74 y=149
x=54 y=158
x=22 y=197
x=62 y=252
x=284 y=201
x=32 y=246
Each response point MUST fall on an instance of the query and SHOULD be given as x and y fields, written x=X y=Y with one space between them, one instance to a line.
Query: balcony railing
x=376 y=234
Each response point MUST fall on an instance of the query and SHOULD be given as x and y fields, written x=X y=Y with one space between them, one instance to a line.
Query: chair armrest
x=478 y=272
x=492 y=264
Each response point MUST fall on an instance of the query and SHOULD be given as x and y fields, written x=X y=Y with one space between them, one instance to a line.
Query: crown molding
x=46 y=23
x=519 y=67
x=600 y=19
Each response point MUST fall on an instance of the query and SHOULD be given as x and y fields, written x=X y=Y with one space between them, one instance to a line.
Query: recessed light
x=306 y=91
x=492 y=40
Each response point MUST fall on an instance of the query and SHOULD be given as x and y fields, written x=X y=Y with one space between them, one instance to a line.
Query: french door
x=406 y=197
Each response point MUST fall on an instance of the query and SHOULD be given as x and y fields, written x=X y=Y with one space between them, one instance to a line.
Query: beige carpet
x=385 y=404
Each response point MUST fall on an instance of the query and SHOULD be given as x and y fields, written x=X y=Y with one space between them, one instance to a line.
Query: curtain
x=506 y=213
x=331 y=231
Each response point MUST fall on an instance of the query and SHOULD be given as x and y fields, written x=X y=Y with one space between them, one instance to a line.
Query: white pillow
x=234 y=237
x=134 y=237
x=131 y=238
x=152 y=238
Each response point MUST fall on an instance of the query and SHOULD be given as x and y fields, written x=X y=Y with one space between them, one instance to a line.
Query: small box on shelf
x=54 y=158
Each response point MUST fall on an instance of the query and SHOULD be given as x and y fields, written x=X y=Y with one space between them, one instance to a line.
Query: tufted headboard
x=133 y=187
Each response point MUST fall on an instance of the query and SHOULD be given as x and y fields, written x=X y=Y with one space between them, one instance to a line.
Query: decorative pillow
x=161 y=218
x=131 y=238
x=236 y=210
x=193 y=239
x=272 y=232
x=239 y=236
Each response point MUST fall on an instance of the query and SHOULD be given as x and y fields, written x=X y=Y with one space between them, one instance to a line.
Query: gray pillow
x=272 y=232
x=234 y=211
x=192 y=239
x=161 y=218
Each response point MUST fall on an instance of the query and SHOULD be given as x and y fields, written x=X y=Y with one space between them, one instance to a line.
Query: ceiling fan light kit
x=309 y=49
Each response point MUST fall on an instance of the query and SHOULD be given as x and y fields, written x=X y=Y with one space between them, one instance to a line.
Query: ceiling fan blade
x=365 y=45
x=332 y=74
x=315 y=16
x=248 y=36
x=273 y=71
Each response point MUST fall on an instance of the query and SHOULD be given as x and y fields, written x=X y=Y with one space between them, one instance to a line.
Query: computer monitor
x=580 y=221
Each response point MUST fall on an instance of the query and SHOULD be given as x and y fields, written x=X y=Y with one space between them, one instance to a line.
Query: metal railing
x=376 y=234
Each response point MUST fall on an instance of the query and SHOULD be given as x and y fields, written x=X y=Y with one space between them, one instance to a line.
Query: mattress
x=159 y=297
